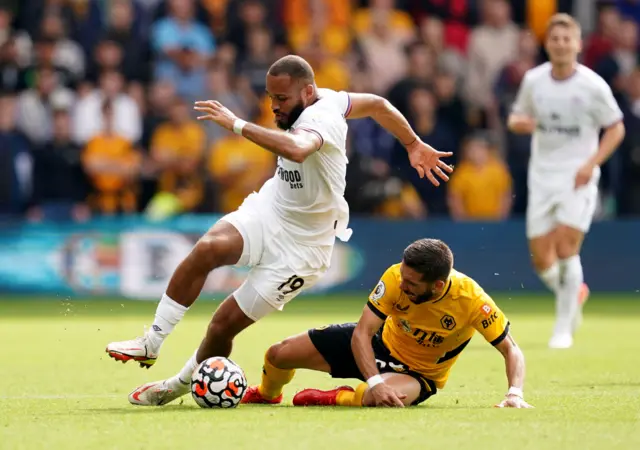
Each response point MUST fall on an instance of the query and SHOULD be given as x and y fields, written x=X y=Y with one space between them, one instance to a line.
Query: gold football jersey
x=429 y=337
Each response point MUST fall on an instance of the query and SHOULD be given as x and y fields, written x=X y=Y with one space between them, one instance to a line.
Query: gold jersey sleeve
x=488 y=319
x=386 y=293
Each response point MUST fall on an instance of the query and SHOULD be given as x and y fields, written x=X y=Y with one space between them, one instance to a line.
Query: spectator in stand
x=430 y=128
x=449 y=59
x=420 y=72
x=480 y=187
x=397 y=21
x=372 y=186
x=246 y=15
x=67 y=54
x=383 y=52
x=325 y=22
x=60 y=184
x=238 y=167
x=88 y=117
x=12 y=66
x=15 y=52
x=35 y=106
x=628 y=190
x=456 y=15
x=112 y=164
x=258 y=58
x=134 y=45
x=44 y=55
x=177 y=149
x=183 y=47
x=491 y=46
x=616 y=67
x=16 y=164
x=451 y=108
x=330 y=72
x=518 y=145
x=219 y=87
x=600 y=43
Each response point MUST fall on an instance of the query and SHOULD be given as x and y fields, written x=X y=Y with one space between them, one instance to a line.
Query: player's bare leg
x=280 y=362
x=227 y=322
x=572 y=291
x=544 y=257
x=361 y=396
x=222 y=245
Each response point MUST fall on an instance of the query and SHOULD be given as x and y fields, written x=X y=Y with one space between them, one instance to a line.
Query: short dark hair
x=294 y=66
x=430 y=257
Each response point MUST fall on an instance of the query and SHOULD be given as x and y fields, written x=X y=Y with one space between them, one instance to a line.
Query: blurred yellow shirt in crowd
x=538 y=14
x=114 y=191
x=400 y=21
x=407 y=205
x=239 y=167
x=482 y=190
x=185 y=141
x=332 y=74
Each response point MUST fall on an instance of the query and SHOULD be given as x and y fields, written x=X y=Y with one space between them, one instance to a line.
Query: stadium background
x=106 y=180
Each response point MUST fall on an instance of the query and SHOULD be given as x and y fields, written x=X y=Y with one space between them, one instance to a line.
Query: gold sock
x=348 y=398
x=273 y=380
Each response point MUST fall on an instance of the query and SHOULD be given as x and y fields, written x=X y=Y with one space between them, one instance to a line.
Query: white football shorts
x=548 y=207
x=280 y=268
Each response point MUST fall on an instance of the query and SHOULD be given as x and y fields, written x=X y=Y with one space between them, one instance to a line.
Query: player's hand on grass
x=385 y=395
x=426 y=160
x=513 y=401
x=216 y=112
x=584 y=175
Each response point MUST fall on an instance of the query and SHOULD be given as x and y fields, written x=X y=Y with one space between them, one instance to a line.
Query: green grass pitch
x=58 y=389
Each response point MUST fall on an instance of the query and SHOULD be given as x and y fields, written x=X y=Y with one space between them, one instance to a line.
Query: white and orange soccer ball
x=218 y=383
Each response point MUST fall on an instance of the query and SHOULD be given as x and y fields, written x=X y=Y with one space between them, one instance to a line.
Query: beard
x=291 y=117
x=423 y=298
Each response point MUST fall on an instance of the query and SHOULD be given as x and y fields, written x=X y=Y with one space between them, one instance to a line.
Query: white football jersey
x=569 y=115
x=308 y=197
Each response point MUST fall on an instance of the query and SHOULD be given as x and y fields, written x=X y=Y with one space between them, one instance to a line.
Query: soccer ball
x=218 y=383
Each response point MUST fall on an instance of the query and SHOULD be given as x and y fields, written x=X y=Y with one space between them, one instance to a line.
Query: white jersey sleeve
x=324 y=117
x=524 y=99
x=606 y=109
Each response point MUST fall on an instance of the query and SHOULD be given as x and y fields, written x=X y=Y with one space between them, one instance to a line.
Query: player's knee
x=209 y=252
x=277 y=353
x=568 y=244
x=542 y=261
x=220 y=330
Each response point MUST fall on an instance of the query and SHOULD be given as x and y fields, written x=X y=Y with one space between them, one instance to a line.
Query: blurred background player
x=286 y=231
x=418 y=320
x=565 y=105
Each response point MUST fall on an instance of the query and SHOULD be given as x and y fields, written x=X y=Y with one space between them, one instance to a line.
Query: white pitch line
x=58 y=397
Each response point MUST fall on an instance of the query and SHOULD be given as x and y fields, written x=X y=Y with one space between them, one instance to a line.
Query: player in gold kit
x=419 y=318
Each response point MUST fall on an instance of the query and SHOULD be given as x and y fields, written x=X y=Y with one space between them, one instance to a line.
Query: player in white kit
x=564 y=105
x=285 y=233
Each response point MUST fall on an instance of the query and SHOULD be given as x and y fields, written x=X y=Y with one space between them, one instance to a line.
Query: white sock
x=168 y=314
x=571 y=278
x=182 y=381
x=551 y=277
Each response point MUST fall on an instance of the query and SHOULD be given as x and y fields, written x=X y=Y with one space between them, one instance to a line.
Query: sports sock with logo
x=551 y=277
x=168 y=314
x=349 y=398
x=273 y=380
x=571 y=278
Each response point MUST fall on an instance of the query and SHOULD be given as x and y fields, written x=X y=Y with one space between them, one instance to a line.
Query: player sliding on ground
x=420 y=317
x=285 y=232
x=565 y=105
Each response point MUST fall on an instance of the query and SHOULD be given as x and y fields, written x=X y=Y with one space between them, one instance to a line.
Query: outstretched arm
x=369 y=324
x=292 y=146
x=424 y=158
x=515 y=366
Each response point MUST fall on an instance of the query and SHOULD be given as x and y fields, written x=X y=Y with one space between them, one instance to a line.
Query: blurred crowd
x=96 y=100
